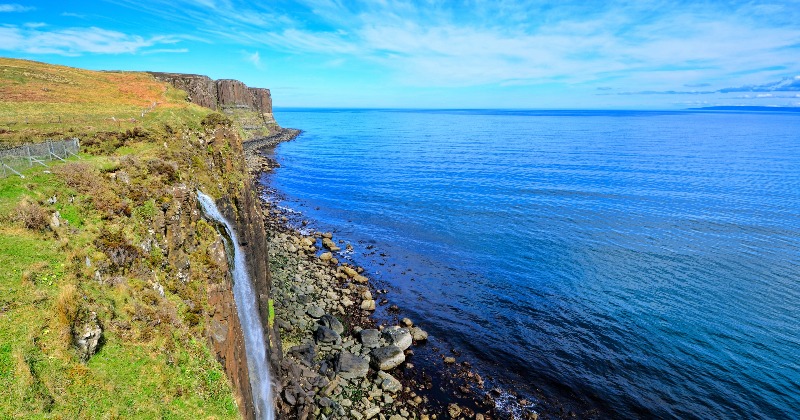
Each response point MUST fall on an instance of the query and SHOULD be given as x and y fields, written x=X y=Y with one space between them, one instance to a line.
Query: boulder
x=87 y=337
x=327 y=256
x=418 y=334
x=389 y=383
x=315 y=311
x=351 y=366
x=368 y=305
x=400 y=337
x=332 y=322
x=326 y=335
x=304 y=352
x=370 y=338
x=386 y=358
x=328 y=243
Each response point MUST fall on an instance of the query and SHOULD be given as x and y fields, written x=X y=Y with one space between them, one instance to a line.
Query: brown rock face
x=220 y=94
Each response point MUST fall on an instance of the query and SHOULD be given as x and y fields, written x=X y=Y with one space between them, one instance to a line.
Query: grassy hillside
x=107 y=257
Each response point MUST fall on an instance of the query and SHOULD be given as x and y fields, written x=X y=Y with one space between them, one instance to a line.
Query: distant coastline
x=748 y=109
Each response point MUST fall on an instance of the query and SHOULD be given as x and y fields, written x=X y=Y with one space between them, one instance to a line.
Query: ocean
x=647 y=263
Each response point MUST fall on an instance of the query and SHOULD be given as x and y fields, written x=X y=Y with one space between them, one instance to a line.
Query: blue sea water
x=648 y=262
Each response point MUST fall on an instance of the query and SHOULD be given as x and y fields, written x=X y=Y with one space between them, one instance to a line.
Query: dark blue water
x=646 y=261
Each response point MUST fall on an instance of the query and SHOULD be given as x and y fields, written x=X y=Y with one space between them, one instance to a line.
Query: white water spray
x=245 y=298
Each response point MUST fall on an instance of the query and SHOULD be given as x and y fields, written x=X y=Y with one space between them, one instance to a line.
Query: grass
x=155 y=361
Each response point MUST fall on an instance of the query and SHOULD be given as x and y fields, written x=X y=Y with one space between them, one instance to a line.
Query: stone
x=326 y=256
x=356 y=415
x=418 y=334
x=454 y=410
x=479 y=416
x=349 y=271
x=55 y=221
x=289 y=396
x=368 y=305
x=87 y=337
x=386 y=358
x=389 y=383
x=400 y=337
x=372 y=412
x=351 y=366
x=370 y=338
x=332 y=322
x=324 y=334
x=396 y=417
x=360 y=279
x=325 y=402
x=407 y=322
x=328 y=243
x=315 y=311
x=366 y=295
x=449 y=360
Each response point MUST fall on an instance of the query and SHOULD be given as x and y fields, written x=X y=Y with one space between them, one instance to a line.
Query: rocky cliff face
x=221 y=95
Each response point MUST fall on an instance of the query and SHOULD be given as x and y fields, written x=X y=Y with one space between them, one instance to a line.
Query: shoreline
x=309 y=287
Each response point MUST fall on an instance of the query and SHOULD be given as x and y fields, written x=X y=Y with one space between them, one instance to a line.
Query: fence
x=15 y=159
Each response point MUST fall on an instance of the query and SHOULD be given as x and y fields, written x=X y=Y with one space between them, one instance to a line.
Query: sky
x=565 y=54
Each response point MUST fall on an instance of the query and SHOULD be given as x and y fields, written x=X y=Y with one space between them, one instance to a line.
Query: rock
x=368 y=305
x=327 y=235
x=332 y=322
x=328 y=243
x=418 y=334
x=304 y=352
x=325 y=402
x=396 y=417
x=454 y=410
x=372 y=412
x=326 y=335
x=289 y=396
x=407 y=322
x=55 y=221
x=87 y=337
x=327 y=256
x=366 y=295
x=389 y=383
x=386 y=358
x=356 y=415
x=351 y=366
x=479 y=416
x=370 y=338
x=315 y=311
x=349 y=271
x=358 y=278
x=449 y=360
x=400 y=337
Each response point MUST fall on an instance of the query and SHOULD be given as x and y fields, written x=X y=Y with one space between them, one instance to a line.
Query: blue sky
x=426 y=54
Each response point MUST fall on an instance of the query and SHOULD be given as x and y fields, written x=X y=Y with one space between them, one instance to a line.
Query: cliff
x=250 y=107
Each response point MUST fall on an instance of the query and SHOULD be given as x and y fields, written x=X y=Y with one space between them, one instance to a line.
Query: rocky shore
x=338 y=360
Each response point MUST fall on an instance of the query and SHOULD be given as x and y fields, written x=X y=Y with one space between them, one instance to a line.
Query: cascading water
x=244 y=296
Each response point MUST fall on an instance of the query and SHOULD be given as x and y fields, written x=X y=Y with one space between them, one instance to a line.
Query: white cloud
x=165 y=51
x=253 y=58
x=75 y=41
x=15 y=8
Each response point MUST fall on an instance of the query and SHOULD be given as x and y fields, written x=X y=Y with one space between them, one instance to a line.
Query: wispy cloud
x=165 y=51
x=789 y=84
x=253 y=58
x=75 y=15
x=15 y=8
x=75 y=41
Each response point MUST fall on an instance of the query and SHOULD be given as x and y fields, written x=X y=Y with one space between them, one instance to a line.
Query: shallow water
x=648 y=262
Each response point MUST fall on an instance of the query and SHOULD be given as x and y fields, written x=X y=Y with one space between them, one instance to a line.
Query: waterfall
x=245 y=298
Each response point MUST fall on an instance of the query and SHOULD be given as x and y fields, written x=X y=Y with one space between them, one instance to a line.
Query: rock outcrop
x=221 y=95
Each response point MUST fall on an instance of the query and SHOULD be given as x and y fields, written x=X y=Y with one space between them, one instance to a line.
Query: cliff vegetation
x=115 y=292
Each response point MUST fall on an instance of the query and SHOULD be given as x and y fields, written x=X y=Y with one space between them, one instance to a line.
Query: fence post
x=64 y=146
x=30 y=159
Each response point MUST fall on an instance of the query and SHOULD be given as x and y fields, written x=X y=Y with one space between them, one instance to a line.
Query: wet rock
x=370 y=338
x=327 y=256
x=328 y=243
x=407 y=322
x=400 y=337
x=386 y=358
x=326 y=335
x=449 y=360
x=332 y=322
x=351 y=366
x=454 y=410
x=315 y=311
x=418 y=334
x=389 y=383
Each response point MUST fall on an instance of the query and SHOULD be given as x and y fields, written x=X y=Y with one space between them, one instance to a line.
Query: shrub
x=214 y=119
x=31 y=215
x=117 y=248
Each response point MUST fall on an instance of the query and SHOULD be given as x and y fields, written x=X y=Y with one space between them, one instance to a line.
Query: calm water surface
x=646 y=261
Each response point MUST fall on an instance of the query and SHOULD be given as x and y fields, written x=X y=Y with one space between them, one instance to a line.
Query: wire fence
x=13 y=160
